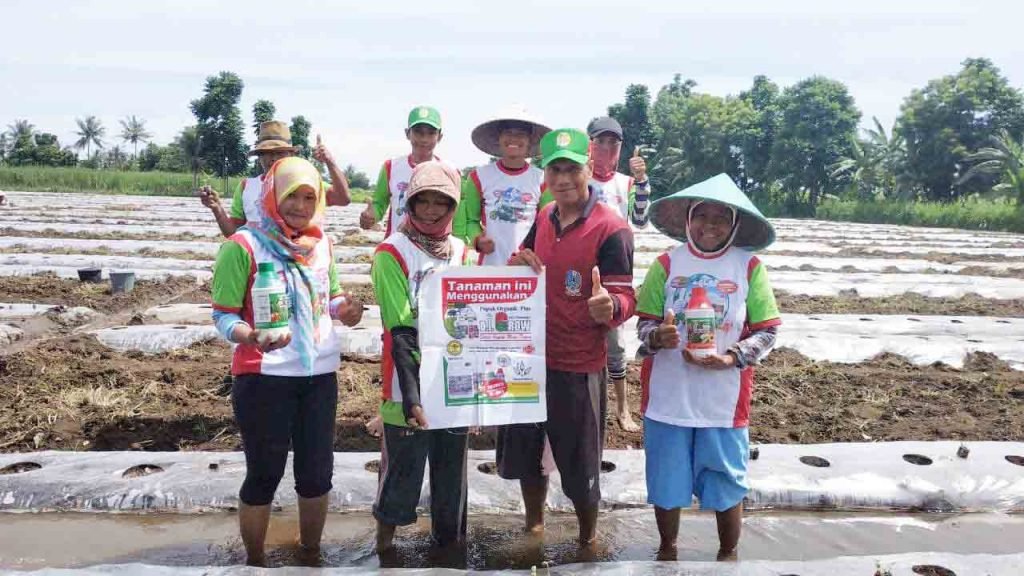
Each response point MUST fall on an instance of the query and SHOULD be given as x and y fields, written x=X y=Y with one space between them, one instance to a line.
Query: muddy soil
x=75 y=394
x=69 y=392
x=49 y=289
x=102 y=251
x=54 y=233
x=969 y=305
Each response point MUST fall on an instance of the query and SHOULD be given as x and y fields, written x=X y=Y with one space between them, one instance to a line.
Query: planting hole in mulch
x=19 y=467
x=488 y=468
x=141 y=470
x=932 y=570
x=815 y=461
x=1013 y=459
x=918 y=459
x=607 y=466
x=372 y=466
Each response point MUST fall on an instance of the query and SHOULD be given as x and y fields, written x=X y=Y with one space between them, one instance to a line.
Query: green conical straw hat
x=668 y=214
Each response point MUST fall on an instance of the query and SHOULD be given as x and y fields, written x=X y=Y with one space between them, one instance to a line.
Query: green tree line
x=214 y=146
x=957 y=138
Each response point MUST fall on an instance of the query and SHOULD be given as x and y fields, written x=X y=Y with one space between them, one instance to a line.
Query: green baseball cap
x=425 y=115
x=568 y=143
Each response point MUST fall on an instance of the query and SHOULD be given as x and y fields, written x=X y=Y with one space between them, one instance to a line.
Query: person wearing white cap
x=500 y=200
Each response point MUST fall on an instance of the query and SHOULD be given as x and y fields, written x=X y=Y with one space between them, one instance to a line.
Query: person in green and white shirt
x=500 y=200
x=389 y=197
x=697 y=409
x=422 y=243
x=273 y=143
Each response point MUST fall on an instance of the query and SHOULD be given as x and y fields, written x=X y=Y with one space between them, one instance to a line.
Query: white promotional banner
x=482 y=346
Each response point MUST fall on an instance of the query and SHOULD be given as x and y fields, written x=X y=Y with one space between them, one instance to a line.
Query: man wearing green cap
x=423 y=132
x=586 y=250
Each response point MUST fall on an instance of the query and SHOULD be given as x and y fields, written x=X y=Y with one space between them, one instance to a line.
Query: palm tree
x=116 y=158
x=21 y=129
x=134 y=130
x=876 y=164
x=1004 y=158
x=669 y=169
x=891 y=151
x=861 y=167
x=90 y=131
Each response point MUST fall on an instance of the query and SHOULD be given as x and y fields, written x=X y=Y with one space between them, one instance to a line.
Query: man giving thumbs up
x=575 y=240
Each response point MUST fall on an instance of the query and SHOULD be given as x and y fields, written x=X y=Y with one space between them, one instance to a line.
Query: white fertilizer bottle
x=270 y=304
x=701 y=324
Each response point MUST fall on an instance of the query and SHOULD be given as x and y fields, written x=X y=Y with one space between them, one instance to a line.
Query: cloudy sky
x=356 y=68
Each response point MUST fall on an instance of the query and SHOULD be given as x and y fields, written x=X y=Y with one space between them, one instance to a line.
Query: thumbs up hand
x=638 y=166
x=666 y=335
x=483 y=243
x=600 y=303
x=368 y=217
x=321 y=153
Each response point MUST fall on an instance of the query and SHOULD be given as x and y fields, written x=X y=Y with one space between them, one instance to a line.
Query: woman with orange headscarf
x=286 y=389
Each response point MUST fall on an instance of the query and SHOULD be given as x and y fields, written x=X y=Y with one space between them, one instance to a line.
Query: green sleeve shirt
x=391 y=287
x=382 y=194
x=466 y=224
x=650 y=301
x=237 y=207
x=761 y=305
x=231 y=276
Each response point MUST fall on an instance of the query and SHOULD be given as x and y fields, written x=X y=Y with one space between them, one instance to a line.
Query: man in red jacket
x=586 y=249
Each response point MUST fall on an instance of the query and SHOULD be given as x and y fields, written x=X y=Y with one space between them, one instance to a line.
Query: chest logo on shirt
x=573 y=283
x=416 y=283
x=400 y=205
x=718 y=293
x=512 y=205
x=614 y=201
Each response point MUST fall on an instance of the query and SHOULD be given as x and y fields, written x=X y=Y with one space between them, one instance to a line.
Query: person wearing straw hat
x=423 y=242
x=697 y=409
x=273 y=143
x=500 y=200
x=423 y=131
x=285 y=393
x=586 y=252
x=629 y=195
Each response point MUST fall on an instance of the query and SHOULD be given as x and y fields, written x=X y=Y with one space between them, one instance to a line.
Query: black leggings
x=274 y=412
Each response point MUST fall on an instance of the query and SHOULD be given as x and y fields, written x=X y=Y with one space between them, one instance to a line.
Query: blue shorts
x=683 y=462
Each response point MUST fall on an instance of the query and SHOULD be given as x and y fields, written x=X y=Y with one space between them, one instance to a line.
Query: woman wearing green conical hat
x=697 y=408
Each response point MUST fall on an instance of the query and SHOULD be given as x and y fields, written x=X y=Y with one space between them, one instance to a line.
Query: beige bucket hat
x=274 y=135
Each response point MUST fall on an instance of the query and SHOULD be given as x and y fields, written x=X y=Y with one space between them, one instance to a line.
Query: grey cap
x=604 y=124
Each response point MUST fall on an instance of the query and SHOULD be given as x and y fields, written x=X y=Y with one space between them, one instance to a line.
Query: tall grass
x=971 y=214
x=50 y=179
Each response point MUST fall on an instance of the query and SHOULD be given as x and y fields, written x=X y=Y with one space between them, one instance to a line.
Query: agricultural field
x=890 y=333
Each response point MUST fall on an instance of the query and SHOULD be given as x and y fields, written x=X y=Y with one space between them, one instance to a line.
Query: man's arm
x=227 y=223
x=615 y=262
x=338 y=193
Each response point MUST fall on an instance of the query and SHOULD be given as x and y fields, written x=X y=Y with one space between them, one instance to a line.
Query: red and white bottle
x=701 y=324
